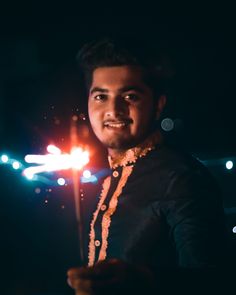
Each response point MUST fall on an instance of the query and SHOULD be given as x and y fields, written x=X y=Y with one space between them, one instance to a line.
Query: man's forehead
x=117 y=77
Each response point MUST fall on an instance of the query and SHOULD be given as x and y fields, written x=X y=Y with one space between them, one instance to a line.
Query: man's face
x=121 y=106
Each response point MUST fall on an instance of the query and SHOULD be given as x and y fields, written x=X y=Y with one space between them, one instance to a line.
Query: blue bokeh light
x=229 y=165
x=16 y=165
x=4 y=158
x=61 y=181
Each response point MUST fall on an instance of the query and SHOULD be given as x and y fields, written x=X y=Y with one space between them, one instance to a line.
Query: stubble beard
x=119 y=143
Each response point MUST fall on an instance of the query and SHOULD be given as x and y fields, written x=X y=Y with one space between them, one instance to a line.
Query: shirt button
x=115 y=173
x=103 y=207
x=97 y=243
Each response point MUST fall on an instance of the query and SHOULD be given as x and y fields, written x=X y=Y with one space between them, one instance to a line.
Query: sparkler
x=55 y=160
x=76 y=186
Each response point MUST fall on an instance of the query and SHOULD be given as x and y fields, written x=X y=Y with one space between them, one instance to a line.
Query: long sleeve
x=194 y=212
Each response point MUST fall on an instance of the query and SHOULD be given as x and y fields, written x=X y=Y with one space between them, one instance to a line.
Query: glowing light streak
x=29 y=175
x=56 y=161
x=91 y=179
x=52 y=149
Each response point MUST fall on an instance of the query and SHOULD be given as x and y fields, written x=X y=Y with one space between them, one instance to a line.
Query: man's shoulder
x=174 y=158
x=179 y=176
x=172 y=163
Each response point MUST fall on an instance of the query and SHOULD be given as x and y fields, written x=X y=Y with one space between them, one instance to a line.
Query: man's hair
x=108 y=52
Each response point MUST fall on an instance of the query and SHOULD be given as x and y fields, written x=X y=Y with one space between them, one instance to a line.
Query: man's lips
x=116 y=124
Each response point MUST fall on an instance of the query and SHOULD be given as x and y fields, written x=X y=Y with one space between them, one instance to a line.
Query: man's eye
x=132 y=97
x=100 y=97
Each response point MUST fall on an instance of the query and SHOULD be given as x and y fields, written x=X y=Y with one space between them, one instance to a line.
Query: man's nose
x=117 y=107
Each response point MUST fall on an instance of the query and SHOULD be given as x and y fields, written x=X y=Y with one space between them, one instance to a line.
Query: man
x=159 y=210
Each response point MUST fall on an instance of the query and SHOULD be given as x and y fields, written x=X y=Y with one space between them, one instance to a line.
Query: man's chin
x=120 y=144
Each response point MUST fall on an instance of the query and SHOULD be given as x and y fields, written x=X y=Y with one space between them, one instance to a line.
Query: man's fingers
x=80 y=272
x=81 y=286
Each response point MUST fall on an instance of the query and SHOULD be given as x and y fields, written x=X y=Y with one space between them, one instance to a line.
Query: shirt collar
x=131 y=155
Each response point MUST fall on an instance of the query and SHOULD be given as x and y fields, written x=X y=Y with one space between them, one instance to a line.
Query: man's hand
x=110 y=277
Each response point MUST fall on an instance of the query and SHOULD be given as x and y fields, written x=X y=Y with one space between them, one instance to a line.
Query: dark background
x=40 y=90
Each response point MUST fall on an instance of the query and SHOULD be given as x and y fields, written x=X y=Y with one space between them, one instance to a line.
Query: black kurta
x=168 y=215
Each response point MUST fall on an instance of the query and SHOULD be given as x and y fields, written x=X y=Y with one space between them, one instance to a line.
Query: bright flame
x=56 y=161
x=79 y=158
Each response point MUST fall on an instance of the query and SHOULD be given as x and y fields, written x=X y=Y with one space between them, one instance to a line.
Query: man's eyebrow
x=98 y=89
x=131 y=88
x=122 y=89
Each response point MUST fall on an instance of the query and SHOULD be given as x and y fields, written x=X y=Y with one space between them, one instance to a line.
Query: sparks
x=55 y=160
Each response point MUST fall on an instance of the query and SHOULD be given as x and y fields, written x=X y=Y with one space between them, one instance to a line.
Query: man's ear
x=160 y=106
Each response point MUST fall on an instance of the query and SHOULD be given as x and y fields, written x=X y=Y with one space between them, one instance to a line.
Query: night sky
x=40 y=90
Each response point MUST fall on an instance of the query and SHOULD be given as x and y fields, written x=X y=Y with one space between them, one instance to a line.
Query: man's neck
x=115 y=153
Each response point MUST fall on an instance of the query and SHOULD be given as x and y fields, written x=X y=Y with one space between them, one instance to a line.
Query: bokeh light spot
x=74 y=118
x=61 y=181
x=87 y=174
x=4 y=158
x=16 y=165
x=37 y=190
x=167 y=124
x=229 y=165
